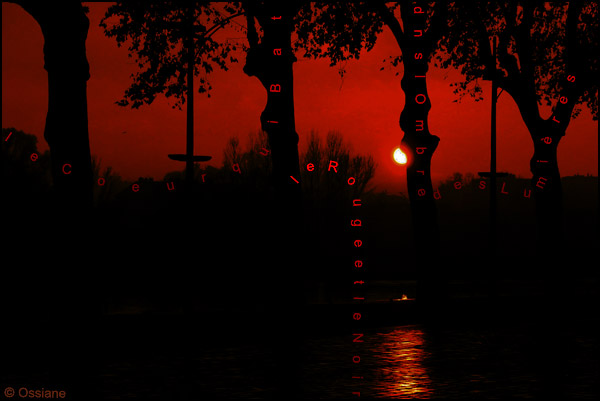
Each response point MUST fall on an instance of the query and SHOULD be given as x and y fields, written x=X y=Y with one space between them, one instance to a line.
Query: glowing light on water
x=401 y=358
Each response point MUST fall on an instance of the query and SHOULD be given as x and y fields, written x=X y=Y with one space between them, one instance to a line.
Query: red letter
x=420 y=33
x=101 y=180
x=203 y=177
x=420 y=151
x=555 y=120
x=436 y=194
x=418 y=56
x=417 y=98
x=421 y=171
x=357 y=338
x=547 y=140
x=351 y=179
x=571 y=78
x=420 y=125
x=457 y=185
x=421 y=192
x=236 y=168
x=356 y=202
x=481 y=184
x=277 y=52
x=275 y=18
x=34 y=157
x=356 y=316
x=275 y=88
x=356 y=393
x=526 y=194
x=540 y=183
x=563 y=100
x=419 y=10
x=356 y=359
x=135 y=187
x=358 y=264
x=502 y=190
x=358 y=243
x=310 y=167
x=331 y=165
x=355 y=223
x=63 y=169
x=172 y=186
x=359 y=282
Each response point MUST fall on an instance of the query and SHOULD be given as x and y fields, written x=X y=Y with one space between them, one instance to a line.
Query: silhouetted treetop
x=337 y=30
x=323 y=182
x=539 y=44
x=156 y=33
x=340 y=30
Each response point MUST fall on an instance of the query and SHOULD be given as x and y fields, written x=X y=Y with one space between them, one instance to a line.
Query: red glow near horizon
x=364 y=107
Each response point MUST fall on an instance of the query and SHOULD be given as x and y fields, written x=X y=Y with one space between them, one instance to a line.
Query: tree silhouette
x=172 y=40
x=65 y=26
x=107 y=183
x=156 y=33
x=546 y=55
x=66 y=241
x=249 y=167
x=25 y=172
x=339 y=31
x=253 y=164
x=325 y=187
x=270 y=58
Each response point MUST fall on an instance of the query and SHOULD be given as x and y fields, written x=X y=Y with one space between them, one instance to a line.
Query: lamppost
x=189 y=158
x=492 y=174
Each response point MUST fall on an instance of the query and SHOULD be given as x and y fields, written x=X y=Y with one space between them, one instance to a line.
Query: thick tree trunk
x=420 y=145
x=550 y=252
x=64 y=291
x=271 y=61
x=65 y=26
x=67 y=121
x=546 y=184
x=546 y=134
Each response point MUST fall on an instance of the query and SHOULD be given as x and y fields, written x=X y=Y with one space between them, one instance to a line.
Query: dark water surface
x=412 y=361
x=168 y=358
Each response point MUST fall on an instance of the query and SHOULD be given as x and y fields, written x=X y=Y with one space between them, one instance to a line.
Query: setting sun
x=399 y=156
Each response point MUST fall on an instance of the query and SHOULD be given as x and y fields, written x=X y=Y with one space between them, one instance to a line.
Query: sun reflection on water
x=402 y=357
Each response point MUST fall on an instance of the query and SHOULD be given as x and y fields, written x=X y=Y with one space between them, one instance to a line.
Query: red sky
x=365 y=108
